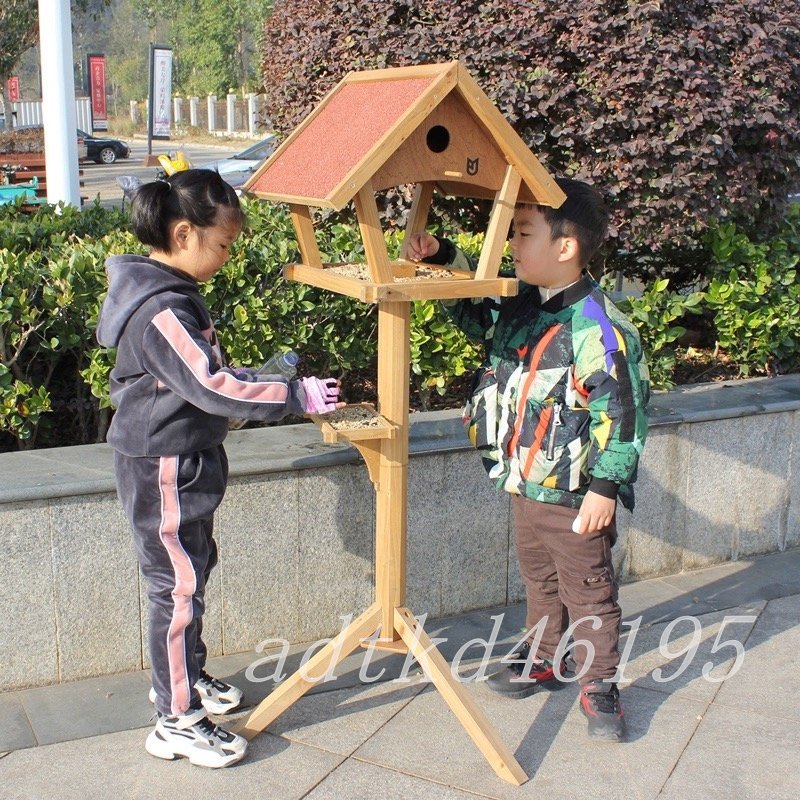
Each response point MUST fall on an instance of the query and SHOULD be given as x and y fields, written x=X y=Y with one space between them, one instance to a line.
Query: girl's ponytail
x=197 y=195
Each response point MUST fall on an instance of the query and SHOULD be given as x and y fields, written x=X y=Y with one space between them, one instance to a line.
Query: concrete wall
x=718 y=481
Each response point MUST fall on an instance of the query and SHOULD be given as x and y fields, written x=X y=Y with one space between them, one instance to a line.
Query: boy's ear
x=569 y=249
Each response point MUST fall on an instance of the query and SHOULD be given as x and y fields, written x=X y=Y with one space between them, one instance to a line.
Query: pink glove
x=321 y=394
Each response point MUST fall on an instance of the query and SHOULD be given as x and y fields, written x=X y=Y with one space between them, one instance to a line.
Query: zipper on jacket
x=555 y=423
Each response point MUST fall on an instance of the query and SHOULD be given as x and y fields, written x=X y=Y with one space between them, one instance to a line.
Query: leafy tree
x=682 y=111
x=19 y=30
x=214 y=42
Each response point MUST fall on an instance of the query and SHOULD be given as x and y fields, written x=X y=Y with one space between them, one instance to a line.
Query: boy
x=558 y=413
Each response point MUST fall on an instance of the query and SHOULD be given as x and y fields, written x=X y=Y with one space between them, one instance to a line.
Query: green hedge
x=54 y=379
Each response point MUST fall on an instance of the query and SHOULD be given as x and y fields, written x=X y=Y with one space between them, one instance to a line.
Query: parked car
x=103 y=149
x=83 y=150
x=235 y=170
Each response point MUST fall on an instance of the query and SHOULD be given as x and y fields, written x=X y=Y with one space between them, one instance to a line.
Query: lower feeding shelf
x=362 y=426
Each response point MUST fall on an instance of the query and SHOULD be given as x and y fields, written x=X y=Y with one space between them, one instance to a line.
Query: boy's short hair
x=584 y=216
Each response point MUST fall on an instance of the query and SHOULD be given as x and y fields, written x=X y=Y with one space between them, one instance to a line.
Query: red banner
x=97 y=91
x=13 y=89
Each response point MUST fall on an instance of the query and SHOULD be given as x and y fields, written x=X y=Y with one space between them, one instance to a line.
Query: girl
x=173 y=396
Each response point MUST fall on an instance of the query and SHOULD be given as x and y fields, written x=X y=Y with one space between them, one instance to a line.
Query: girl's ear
x=180 y=234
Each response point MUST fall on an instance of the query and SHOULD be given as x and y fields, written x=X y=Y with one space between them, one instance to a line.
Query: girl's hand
x=420 y=245
x=322 y=395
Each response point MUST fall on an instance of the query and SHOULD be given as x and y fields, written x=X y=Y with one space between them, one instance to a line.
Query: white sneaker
x=217 y=696
x=193 y=736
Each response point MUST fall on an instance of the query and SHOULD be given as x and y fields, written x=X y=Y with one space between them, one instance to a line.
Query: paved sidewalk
x=690 y=735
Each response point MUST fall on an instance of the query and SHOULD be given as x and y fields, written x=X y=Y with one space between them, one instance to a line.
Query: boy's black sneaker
x=518 y=677
x=601 y=707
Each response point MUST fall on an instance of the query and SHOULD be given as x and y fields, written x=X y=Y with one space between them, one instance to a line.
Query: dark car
x=103 y=149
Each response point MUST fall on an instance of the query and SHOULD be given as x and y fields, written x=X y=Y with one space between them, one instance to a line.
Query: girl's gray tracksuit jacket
x=174 y=396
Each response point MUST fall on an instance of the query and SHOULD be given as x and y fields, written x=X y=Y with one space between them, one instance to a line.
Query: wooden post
x=394 y=332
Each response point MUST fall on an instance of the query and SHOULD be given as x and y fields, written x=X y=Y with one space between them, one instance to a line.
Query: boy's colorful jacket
x=172 y=391
x=559 y=405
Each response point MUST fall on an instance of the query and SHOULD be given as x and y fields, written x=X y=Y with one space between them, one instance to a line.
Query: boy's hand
x=596 y=513
x=420 y=245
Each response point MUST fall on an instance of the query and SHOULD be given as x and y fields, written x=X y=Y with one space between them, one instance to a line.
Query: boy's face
x=538 y=260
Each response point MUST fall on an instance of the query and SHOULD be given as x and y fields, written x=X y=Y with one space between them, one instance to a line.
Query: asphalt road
x=101 y=179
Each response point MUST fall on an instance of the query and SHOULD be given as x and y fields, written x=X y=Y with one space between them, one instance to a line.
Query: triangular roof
x=382 y=126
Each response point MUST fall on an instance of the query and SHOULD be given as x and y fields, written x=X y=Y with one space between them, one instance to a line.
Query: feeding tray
x=362 y=426
x=355 y=422
x=411 y=281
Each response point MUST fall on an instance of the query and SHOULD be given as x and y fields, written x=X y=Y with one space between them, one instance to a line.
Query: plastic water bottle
x=283 y=364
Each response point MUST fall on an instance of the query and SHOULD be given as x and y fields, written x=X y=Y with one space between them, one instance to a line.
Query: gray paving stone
x=547 y=734
x=354 y=779
x=737 y=753
x=341 y=721
x=96 y=588
x=698 y=668
x=88 y=708
x=792 y=537
x=28 y=645
x=766 y=681
x=658 y=731
x=15 y=727
x=117 y=766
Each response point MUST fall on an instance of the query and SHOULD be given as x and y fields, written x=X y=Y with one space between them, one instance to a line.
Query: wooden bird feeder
x=431 y=126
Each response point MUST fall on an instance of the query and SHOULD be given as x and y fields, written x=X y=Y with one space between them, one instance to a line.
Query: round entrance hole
x=438 y=139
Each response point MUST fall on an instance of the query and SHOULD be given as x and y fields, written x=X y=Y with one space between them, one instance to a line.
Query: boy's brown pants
x=568 y=578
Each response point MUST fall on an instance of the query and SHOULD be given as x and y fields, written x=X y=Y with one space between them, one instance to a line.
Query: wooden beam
x=418 y=216
x=544 y=188
x=372 y=235
x=306 y=238
x=502 y=213
x=470 y=716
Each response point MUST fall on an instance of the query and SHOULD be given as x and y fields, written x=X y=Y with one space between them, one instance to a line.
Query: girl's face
x=200 y=252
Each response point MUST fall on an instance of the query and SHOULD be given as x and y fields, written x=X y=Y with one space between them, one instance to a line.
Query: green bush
x=54 y=379
x=51 y=277
x=655 y=314
x=755 y=297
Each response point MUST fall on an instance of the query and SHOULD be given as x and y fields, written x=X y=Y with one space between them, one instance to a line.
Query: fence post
x=231 y=111
x=134 y=113
x=177 y=109
x=252 y=114
x=212 y=113
x=193 y=101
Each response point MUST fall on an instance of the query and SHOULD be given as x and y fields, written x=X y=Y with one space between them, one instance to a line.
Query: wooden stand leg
x=295 y=686
x=471 y=717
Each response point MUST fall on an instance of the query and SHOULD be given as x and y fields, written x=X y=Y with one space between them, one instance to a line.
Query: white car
x=235 y=170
